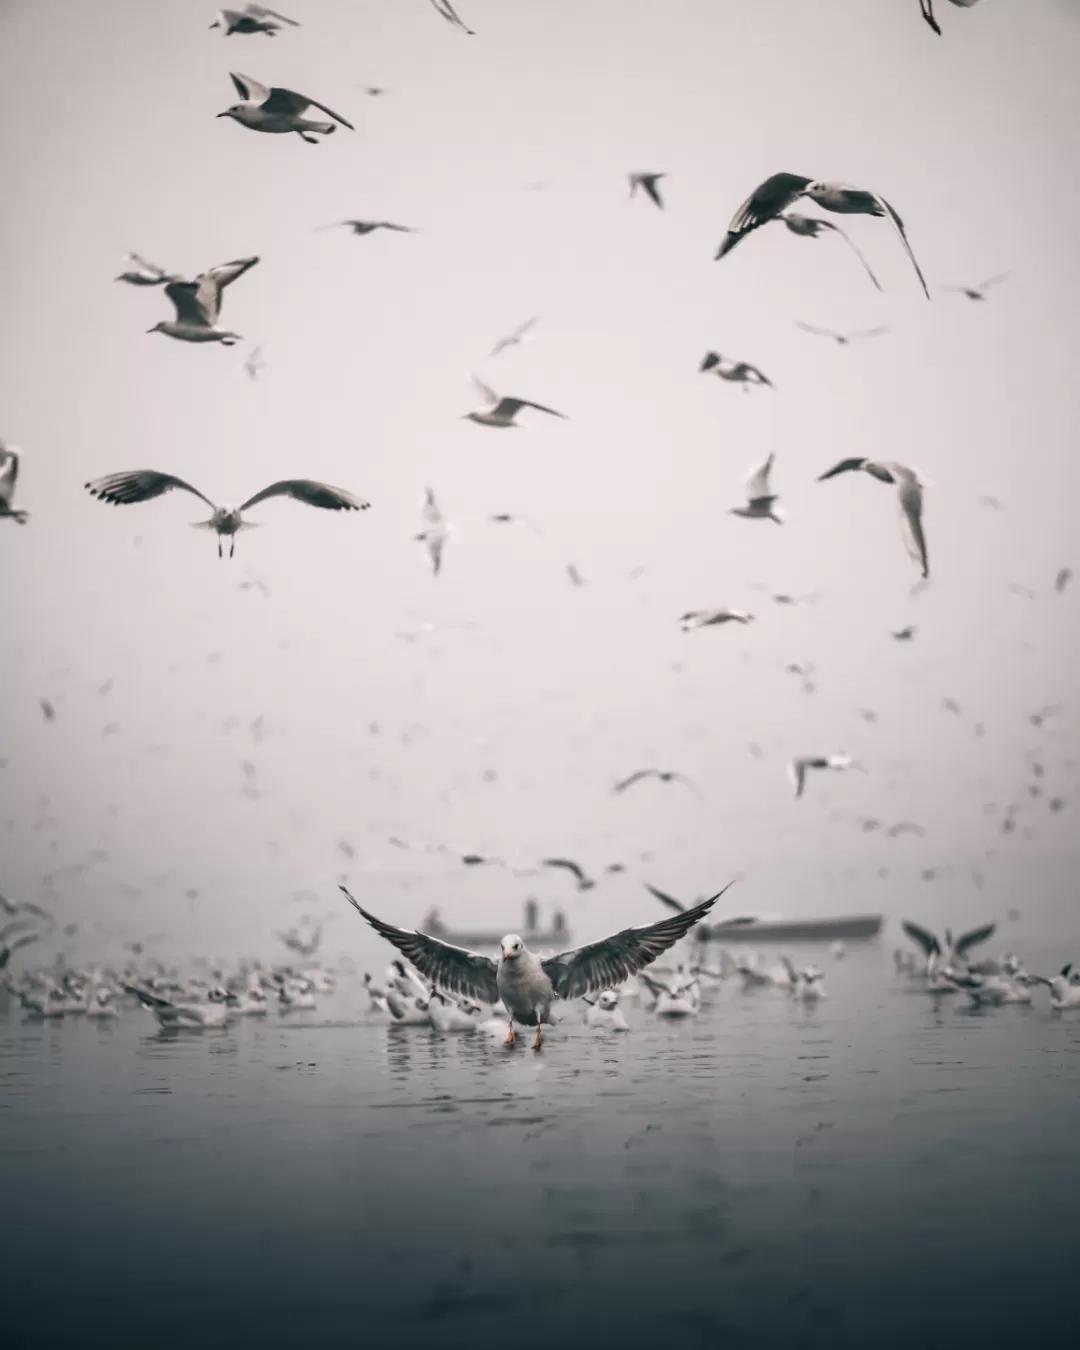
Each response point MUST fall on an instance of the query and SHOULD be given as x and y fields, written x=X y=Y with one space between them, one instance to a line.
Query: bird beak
x=151 y=330
x=224 y=114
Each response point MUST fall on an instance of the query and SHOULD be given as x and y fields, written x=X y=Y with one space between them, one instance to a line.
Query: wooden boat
x=556 y=937
x=775 y=928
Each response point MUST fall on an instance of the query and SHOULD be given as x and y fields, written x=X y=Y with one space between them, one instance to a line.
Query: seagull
x=368 y=226
x=8 y=948
x=842 y=339
x=952 y=951
x=1063 y=992
x=773 y=197
x=904 y=634
x=647 y=182
x=584 y=882
x=605 y=1014
x=759 y=500
x=909 y=494
x=798 y=767
x=251 y=19
x=254 y=365
x=809 y=227
x=502 y=411
x=978 y=292
x=448 y=1014
x=737 y=372
x=704 y=618
x=1060 y=581
x=435 y=531
x=198 y=304
x=143 y=485
x=278 y=110
x=194 y=1016
x=526 y=985
x=661 y=775
x=575 y=576
x=9 y=475
x=296 y=943
x=927 y=9
x=508 y=518
x=446 y=9
x=143 y=273
x=520 y=334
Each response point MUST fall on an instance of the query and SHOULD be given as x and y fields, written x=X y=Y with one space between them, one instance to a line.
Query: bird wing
x=845 y=466
x=797 y=774
x=855 y=249
x=9 y=474
x=446 y=9
x=146 y=265
x=871 y=332
x=898 y=226
x=669 y=900
x=188 y=304
x=649 y=184
x=757 y=484
x=486 y=391
x=139 y=485
x=510 y=406
x=974 y=937
x=210 y=284
x=766 y=202
x=656 y=987
x=146 y=998
x=432 y=514
x=820 y=332
x=290 y=103
x=251 y=91
x=261 y=12
x=567 y=864
x=926 y=940
x=910 y=496
x=605 y=964
x=993 y=281
x=633 y=778
x=452 y=968
x=311 y=493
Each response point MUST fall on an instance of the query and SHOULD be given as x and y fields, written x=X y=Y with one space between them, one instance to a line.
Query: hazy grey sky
x=109 y=142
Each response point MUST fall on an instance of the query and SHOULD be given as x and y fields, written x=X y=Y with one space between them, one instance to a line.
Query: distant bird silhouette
x=584 y=882
x=48 y=710
x=368 y=226
x=842 y=339
x=735 y=372
x=799 y=767
x=1060 y=581
x=661 y=775
x=909 y=491
x=703 y=618
x=254 y=365
x=760 y=501
x=143 y=485
x=648 y=183
x=9 y=476
x=251 y=19
x=574 y=575
x=435 y=531
x=927 y=9
x=809 y=227
x=502 y=411
x=978 y=292
x=904 y=634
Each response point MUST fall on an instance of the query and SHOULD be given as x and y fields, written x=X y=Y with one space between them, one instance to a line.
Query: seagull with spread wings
x=648 y=184
x=810 y=227
x=950 y=953
x=661 y=776
x=9 y=476
x=527 y=985
x=251 y=19
x=909 y=492
x=760 y=499
x=363 y=227
x=278 y=111
x=978 y=292
x=198 y=304
x=773 y=197
x=521 y=333
x=502 y=411
x=842 y=339
x=143 y=485
x=735 y=372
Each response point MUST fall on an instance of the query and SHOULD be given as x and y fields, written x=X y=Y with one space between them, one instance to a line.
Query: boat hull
x=852 y=928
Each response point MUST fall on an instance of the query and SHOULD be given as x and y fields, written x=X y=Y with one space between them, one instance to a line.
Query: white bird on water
x=278 y=111
x=735 y=372
x=143 y=485
x=909 y=491
x=605 y=1014
x=528 y=986
x=251 y=19
x=704 y=618
x=9 y=476
x=1063 y=992
x=198 y=304
x=772 y=198
x=800 y=766
x=760 y=499
x=809 y=227
x=502 y=411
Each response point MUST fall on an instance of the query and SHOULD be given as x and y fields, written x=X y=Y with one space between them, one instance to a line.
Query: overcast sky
x=502 y=727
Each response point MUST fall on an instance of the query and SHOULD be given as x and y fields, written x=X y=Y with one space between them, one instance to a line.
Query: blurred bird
x=254 y=365
x=798 y=767
x=251 y=19
x=809 y=227
x=574 y=575
x=144 y=273
x=519 y=335
x=446 y=9
x=1060 y=581
x=760 y=502
x=735 y=372
x=502 y=411
x=927 y=9
x=278 y=111
x=198 y=304
x=909 y=495
x=584 y=882
x=949 y=954
x=704 y=618
x=142 y=485
x=978 y=292
x=648 y=183
x=368 y=226
x=9 y=476
x=605 y=1014
x=661 y=776
x=435 y=531
x=842 y=339
x=48 y=709
x=773 y=197
x=904 y=634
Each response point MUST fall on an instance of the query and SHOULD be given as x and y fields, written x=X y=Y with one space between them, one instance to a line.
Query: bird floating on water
x=198 y=304
x=769 y=200
x=909 y=492
x=527 y=986
x=502 y=411
x=736 y=372
x=142 y=485
x=278 y=111
x=809 y=227
x=9 y=476
x=760 y=500
x=648 y=184
x=251 y=19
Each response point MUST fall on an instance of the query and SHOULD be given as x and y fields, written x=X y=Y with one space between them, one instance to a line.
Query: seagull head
x=159 y=327
x=609 y=999
x=238 y=110
x=512 y=947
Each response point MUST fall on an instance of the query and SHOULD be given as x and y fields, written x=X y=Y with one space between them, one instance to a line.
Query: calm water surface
x=880 y=1170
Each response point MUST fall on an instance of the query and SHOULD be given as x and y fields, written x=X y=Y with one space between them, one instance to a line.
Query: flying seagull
x=952 y=951
x=526 y=985
x=703 y=618
x=254 y=365
x=9 y=476
x=520 y=334
x=909 y=494
x=661 y=775
x=648 y=184
x=251 y=19
x=140 y=272
x=799 y=766
x=143 y=485
x=738 y=372
x=446 y=9
x=841 y=339
x=435 y=531
x=584 y=882
x=278 y=110
x=760 y=500
x=926 y=7
x=502 y=411
x=782 y=190
x=1062 y=579
x=198 y=305
x=978 y=292
x=368 y=226
x=809 y=227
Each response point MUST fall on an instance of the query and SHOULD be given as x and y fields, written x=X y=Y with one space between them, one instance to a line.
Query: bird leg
x=539 y=1038
x=232 y=545
x=219 y=553
x=509 y=1035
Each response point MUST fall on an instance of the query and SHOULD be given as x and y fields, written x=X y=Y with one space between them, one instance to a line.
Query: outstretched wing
x=855 y=249
x=605 y=964
x=292 y=104
x=972 y=939
x=845 y=466
x=631 y=779
x=486 y=391
x=898 y=226
x=451 y=968
x=567 y=864
x=820 y=332
x=139 y=485
x=189 y=305
x=309 y=492
x=146 y=998
x=510 y=406
x=765 y=203
x=757 y=484
x=669 y=900
x=910 y=496
x=210 y=284
x=993 y=281
x=261 y=12
x=251 y=91
x=871 y=332
x=446 y=9
x=926 y=940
